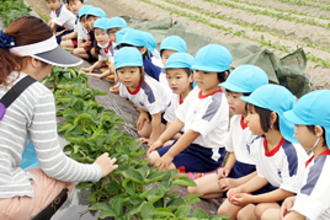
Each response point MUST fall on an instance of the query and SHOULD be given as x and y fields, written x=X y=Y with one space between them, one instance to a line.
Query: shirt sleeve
x=229 y=139
x=52 y=159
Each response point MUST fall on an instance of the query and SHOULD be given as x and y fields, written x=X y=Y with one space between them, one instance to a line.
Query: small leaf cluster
x=134 y=190
x=12 y=9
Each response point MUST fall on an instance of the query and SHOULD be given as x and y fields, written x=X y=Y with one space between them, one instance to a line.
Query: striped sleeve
x=53 y=161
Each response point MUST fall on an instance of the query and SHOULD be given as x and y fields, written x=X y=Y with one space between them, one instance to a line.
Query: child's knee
x=153 y=157
x=192 y=190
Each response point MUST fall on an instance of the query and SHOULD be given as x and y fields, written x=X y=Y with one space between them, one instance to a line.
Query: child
x=169 y=46
x=179 y=75
x=136 y=38
x=70 y=40
x=62 y=20
x=114 y=25
x=278 y=161
x=312 y=118
x=146 y=93
x=241 y=82
x=204 y=115
x=153 y=53
x=102 y=46
x=83 y=45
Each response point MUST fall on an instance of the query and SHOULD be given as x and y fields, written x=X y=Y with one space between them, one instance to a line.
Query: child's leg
x=67 y=44
x=80 y=52
x=262 y=207
x=247 y=213
x=271 y=214
x=145 y=131
x=208 y=186
x=226 y=208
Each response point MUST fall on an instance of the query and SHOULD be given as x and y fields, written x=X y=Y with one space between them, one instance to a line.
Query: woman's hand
x=287 y=205
x=241 y=199
x=154 y=146
x=164 y=162
x=227 y=183
x=106 y=164
x=142 y=119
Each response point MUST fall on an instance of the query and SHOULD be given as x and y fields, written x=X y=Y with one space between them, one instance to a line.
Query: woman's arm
x=184 y=141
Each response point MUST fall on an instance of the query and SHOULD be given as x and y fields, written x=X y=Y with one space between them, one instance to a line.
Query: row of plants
x=283 y=16
x=308 y=4
x=291 y=11
x=134 y=190
x=241 y=33
x=12 y=9
x=243 y=23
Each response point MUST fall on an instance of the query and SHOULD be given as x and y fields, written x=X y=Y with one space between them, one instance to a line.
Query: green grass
x=304 y=3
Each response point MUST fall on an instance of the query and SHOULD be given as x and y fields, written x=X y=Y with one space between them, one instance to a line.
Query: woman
x=28 y=47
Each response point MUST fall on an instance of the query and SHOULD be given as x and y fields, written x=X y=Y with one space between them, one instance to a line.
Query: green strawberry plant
x=134 y=190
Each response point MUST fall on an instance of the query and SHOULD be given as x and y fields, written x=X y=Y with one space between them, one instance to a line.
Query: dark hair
x=68 y=1
x=265 y=117
x=244 y=94
x=130 y=45
x=25 y=30
x=311 y=128
x=222 y=76
x=114 y=29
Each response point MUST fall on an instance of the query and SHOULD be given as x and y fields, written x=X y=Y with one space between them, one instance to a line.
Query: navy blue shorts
x=162 y=119
x=59 y=37
x=266 y=189
x=241 y=169
x=195 y=158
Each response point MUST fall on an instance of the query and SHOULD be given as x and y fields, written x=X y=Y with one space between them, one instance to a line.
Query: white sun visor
x=48 y=51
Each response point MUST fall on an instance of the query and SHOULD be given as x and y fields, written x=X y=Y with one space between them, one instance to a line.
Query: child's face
x=83 y=22
x=129 y=76
x=101 y=36
x=305 y=137
x=178 y=80
x=54 y=5
x=75 y=5
x=90 y=22
x=253 y=120
x=166 y=54
x=112 y=34
x=206 y=80
x=236 y=105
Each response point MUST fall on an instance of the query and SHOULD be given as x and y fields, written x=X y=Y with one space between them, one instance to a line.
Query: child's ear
x=190 y=78
x=318 y=131
x=273 y=118
x=144 y=50
x=226 y=74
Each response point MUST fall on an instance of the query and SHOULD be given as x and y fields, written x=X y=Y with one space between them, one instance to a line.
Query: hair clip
x=6 y=41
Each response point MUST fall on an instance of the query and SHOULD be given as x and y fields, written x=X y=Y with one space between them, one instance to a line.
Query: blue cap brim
x=327 y=136
x=233 y=88
x=287 y=129
x=128 y=65
x=206 y=68
x=249 y=100
x=292 y=117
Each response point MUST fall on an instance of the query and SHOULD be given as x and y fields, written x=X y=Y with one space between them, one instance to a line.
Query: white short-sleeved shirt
x=163 y=80
x=176 y=101
x=150 y=96
x=82 y=32
x=208 y=115
x=283 y=167
x=105 y=53
x=63 y=18
x=238 y=137
x=313 y=201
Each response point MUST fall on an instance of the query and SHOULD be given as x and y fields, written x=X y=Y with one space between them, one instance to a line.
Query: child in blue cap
x=102 y=49
x=312 y=118
x=204 y=115
x=147 y=94
x=62 y=20
x=115 y=24
x=137 y=38
x=278 y=161
x=241 y=82
x=170 y=45
x=84 y=44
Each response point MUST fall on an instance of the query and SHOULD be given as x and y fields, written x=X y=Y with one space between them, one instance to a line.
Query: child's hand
x=96 y=75
x=87 y=69
x=226 y=183
x=157 y=144
x=106 y=164
x=144 y=140
x=164 y=162
x=287 y=205
x=114 y=89
x=232 y=192
x=223 y=172
x=142 y=119
x=241 y=199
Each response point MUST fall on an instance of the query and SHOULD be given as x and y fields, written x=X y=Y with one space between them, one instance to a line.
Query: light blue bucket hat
x=128 y=56
x=278 y=99
x=312 y=109
x=83 y=10
x=173 y=42
x=101 y=23
x=213 y=58
x=245 y=79
x=97 y=12
x=180 y=60
x=134 y=37
x=116 y=22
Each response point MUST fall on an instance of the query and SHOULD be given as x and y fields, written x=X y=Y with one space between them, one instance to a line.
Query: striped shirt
x=33 y=116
